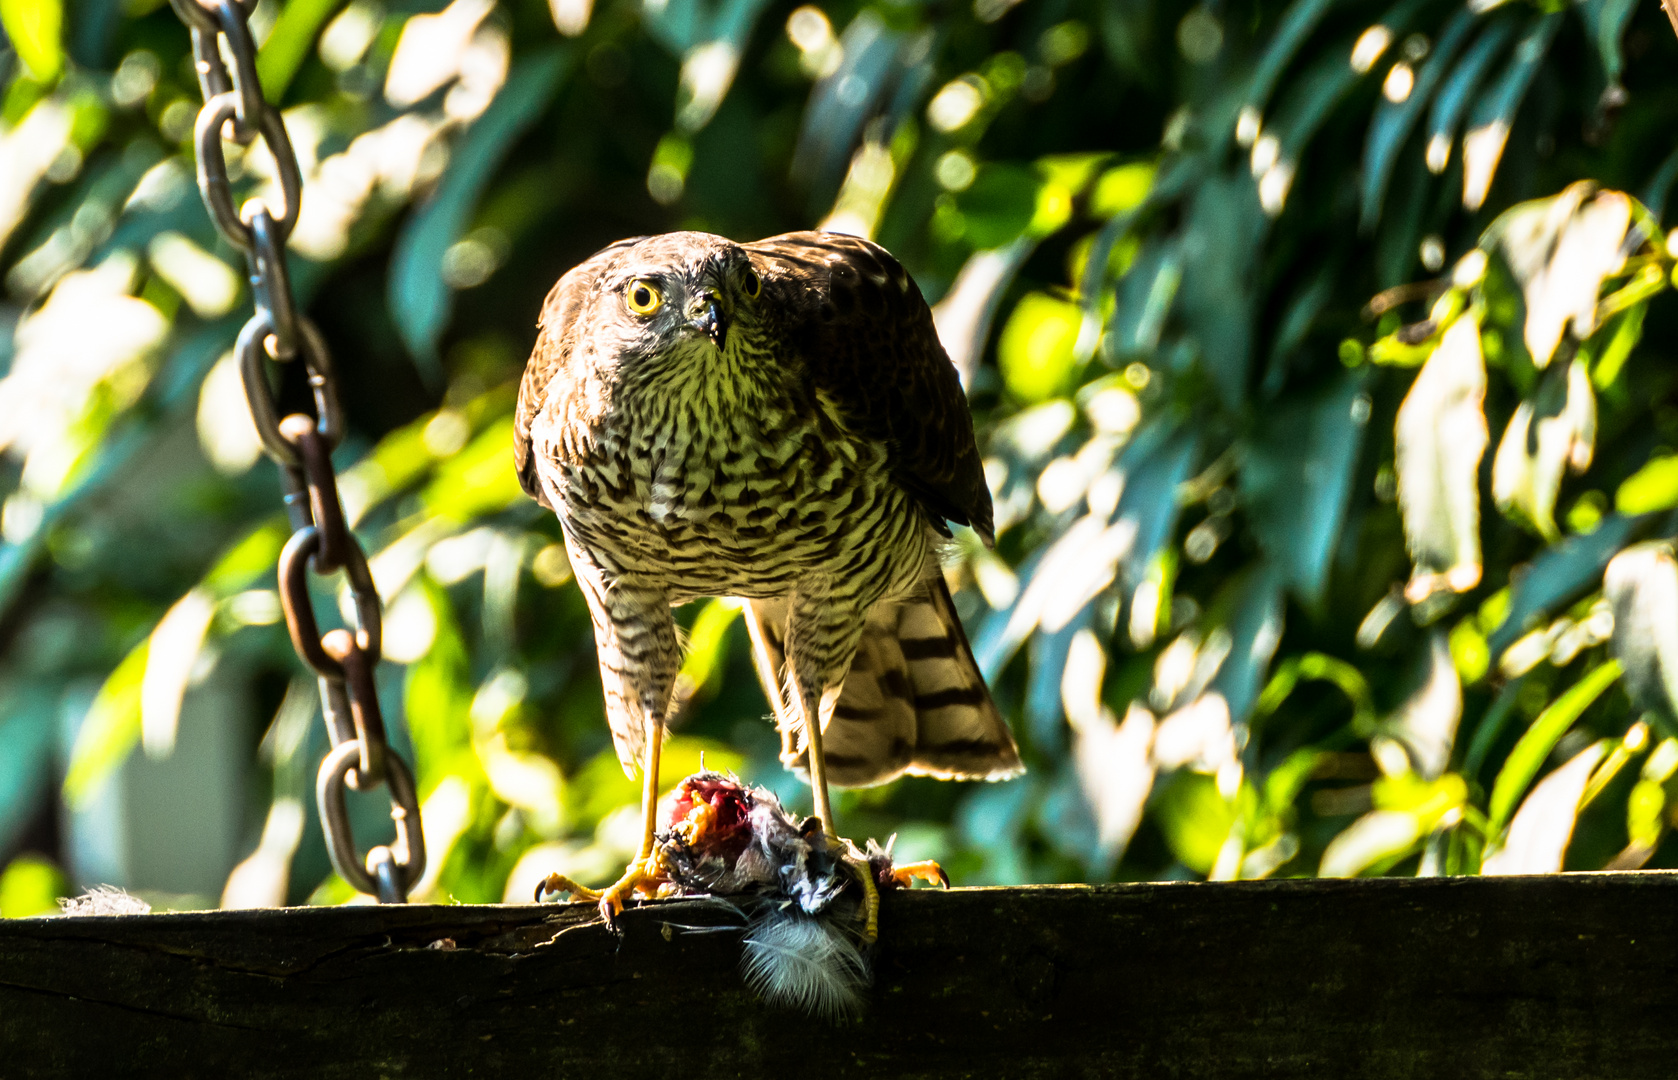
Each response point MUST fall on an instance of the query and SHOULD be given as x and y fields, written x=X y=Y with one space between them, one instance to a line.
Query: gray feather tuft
x=804 y=962
x=104 y=900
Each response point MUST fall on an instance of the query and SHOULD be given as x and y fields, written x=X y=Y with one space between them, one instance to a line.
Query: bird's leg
x=818 y=766
x=822 y=638
x=643 y=875
x=848 y=853
x=639 y=658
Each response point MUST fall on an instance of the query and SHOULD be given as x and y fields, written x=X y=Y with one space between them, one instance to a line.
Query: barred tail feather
x=913 y=701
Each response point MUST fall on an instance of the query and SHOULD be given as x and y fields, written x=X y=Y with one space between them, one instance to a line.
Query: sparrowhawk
x=777 y=422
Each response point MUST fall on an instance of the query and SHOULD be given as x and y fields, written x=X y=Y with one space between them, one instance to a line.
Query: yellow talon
x=927 y=871
x=559 y=883
x=643 y=876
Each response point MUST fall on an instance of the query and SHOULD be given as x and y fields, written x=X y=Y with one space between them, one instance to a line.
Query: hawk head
x=679 y=295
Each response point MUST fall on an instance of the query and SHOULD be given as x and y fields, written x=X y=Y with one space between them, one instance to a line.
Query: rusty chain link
x=234 y=108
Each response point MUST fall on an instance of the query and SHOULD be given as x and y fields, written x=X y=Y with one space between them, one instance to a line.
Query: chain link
x=234 y=109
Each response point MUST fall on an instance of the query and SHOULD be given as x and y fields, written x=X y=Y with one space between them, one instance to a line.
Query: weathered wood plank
x=1573 y=976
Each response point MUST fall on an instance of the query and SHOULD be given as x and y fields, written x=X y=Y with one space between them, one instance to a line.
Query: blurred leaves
x=418 y=289
x=1297 y=478
x=1553 y=433
x=1035 y=350
x=30 y=885
x=1534 y=746
x=33 y=28
x=111 y=728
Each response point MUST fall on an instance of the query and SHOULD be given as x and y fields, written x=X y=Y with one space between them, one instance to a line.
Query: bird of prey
x=775 y=422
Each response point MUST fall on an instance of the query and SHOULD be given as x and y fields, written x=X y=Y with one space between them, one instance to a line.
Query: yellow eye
x=752 y=283
x=643 y=297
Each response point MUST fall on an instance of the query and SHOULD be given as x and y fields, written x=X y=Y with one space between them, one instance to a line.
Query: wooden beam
x=1569 y=976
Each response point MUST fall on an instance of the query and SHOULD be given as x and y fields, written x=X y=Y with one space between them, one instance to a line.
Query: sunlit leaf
x=1550 y=435
x=1627 y=332
x=34 y=27
x=479 y=479
x=1195 y=818
x=30 y=885
x=437 y=701
x=1426 y=722
x=706 y=647
x=1651 y=488
x=1538 y=836
x=289 y=42
x=1376 y=837
x=1112 y=759
x=1121 y=189
x=445 y=816
x=175 y=644
x=1469 y=652
x=1440 y=436
x=1035 y=349
x=1641 y=585
x=1646 y=814
x=1432 y=802
x=263 y=878
x=110 y=729
x=1534 y=747
x=1560 y=250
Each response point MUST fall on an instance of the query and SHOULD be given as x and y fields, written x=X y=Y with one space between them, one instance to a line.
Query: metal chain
x=234 y=108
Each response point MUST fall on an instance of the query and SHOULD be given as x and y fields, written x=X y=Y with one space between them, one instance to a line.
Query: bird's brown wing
x=865 y=335
x=558 y=332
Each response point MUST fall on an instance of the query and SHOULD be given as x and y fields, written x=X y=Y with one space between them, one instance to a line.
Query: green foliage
x=1329 y=416
x=30 y=885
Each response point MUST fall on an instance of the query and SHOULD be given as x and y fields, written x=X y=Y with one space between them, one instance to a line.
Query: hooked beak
x=707 y=315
